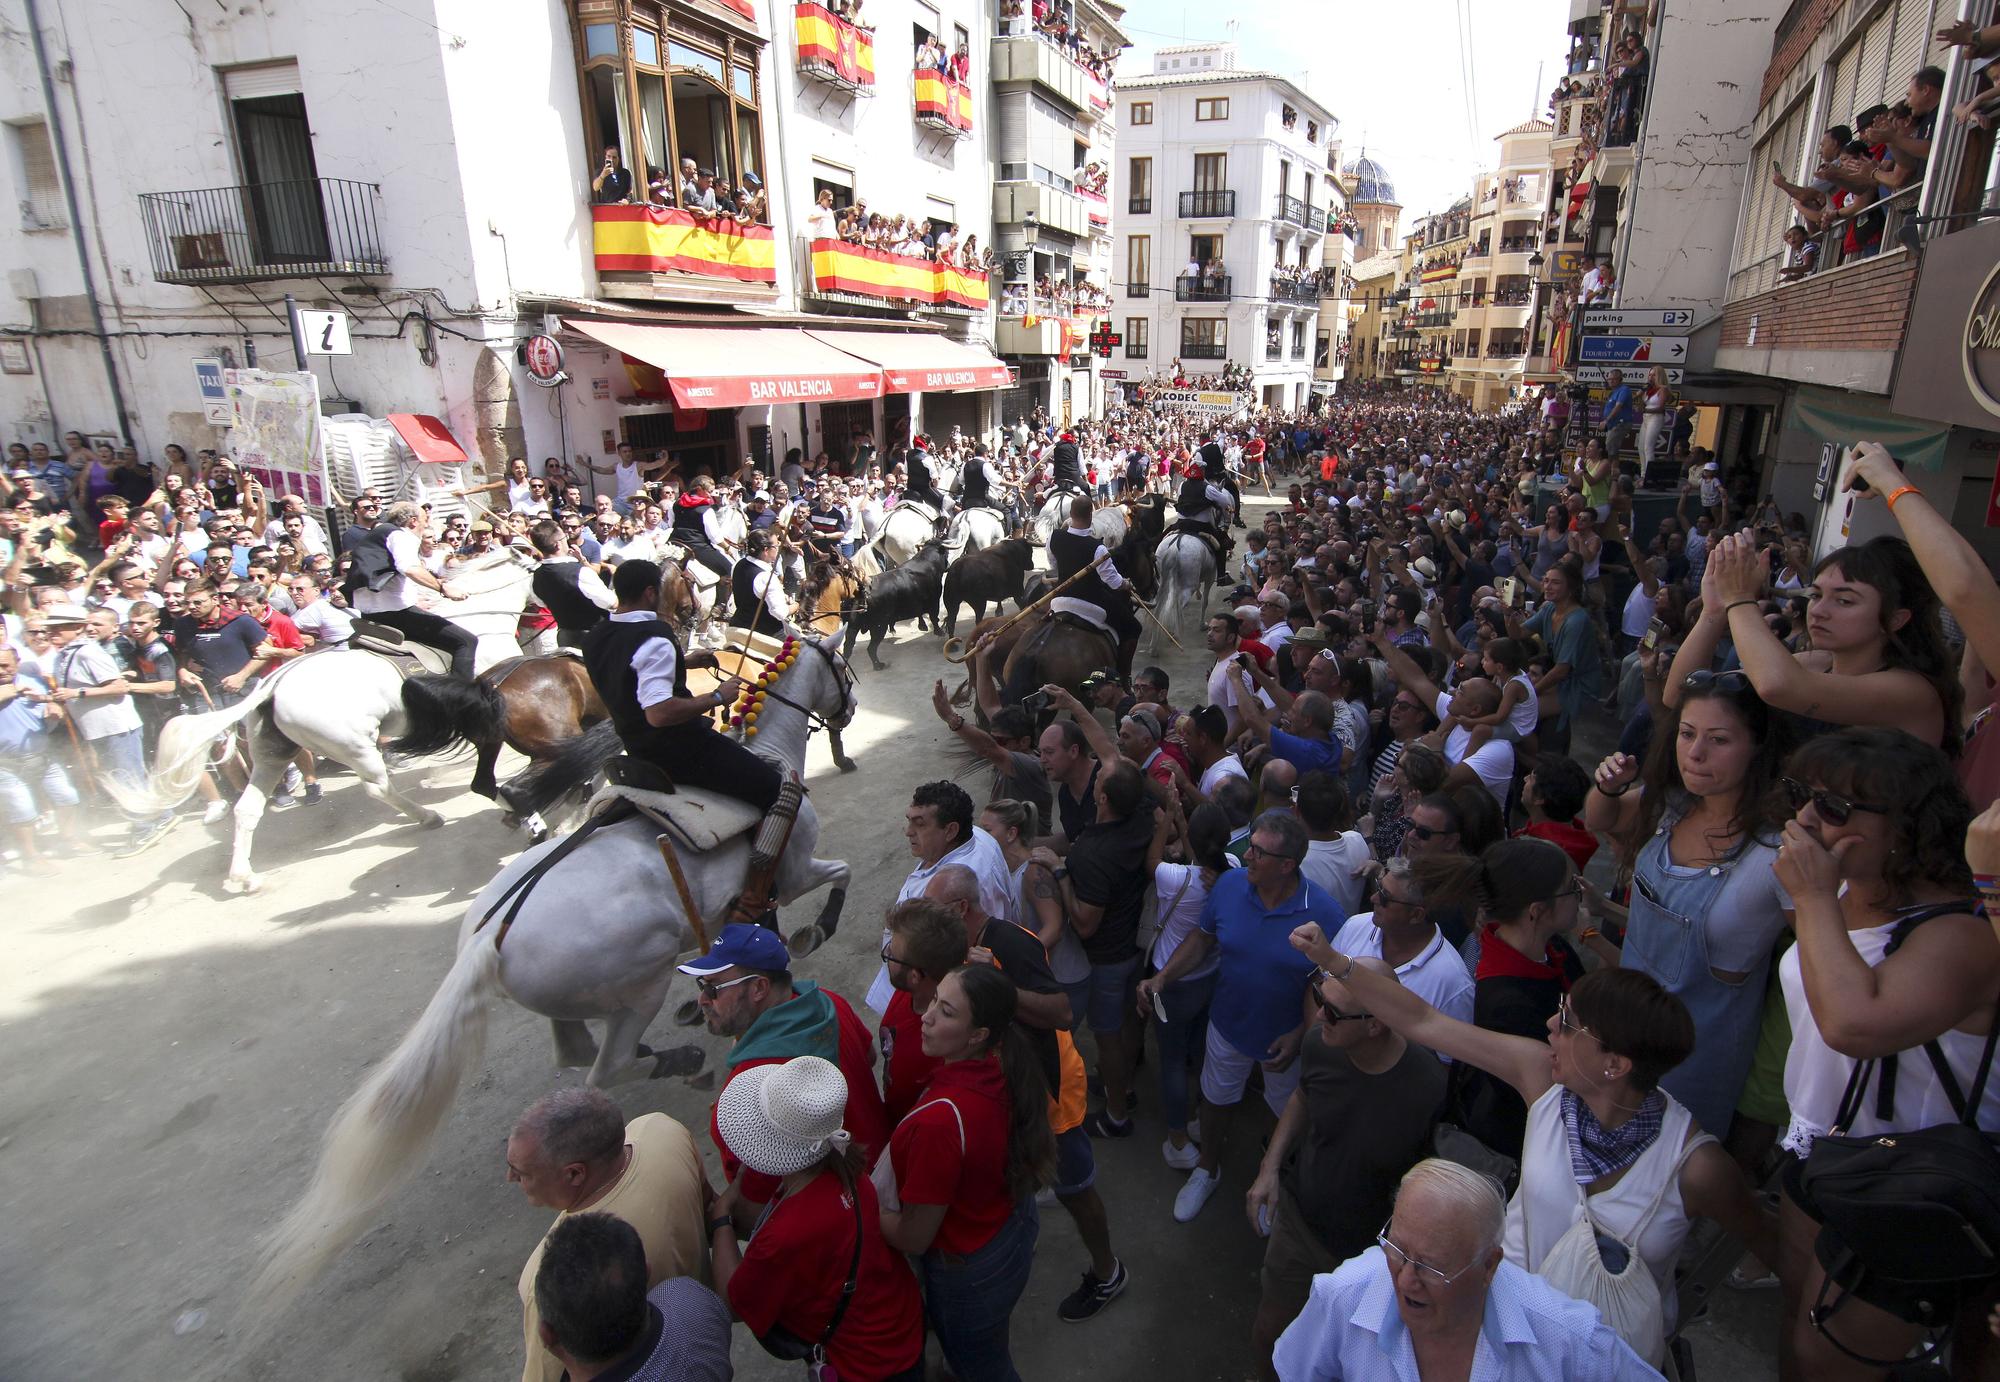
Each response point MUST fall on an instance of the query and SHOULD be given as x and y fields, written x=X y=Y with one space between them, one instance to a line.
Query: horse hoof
x=805 y=940
x=880 y=665
x=241 y=883
x=681 y=1060
x=687 y=1014
x=846 y=765
x=431 y=820
x=510 y=820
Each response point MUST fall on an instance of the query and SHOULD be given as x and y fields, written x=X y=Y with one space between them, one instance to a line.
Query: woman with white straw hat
x=817 y=1281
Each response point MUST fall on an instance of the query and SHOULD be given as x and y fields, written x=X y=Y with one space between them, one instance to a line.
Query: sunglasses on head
x=1733 y=680
x=1833 y=808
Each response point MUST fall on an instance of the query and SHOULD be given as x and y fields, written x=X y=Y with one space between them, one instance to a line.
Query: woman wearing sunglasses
x=1890 y=957
x=1699 y=829
x=1878 y=654
x=1602 y=1138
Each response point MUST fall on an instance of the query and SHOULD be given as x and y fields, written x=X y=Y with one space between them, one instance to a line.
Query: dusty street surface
x=170 y=1055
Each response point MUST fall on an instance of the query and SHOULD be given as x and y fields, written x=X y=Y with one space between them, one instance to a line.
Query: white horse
x=340 y=704
x=1108 y=521
x=973 y=530
x=905 y=529
x=1187 y=581
x=611 y=960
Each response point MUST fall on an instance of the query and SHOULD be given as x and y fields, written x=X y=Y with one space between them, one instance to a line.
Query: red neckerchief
x=1499 y=960
x=693 y=500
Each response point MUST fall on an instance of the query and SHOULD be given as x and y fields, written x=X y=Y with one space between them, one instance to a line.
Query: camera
x=1035 y=702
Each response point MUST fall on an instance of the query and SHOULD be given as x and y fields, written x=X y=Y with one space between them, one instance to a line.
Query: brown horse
x=831 y=598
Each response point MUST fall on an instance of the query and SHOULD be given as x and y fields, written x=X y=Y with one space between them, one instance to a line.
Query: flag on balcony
x=1095 y=206
x=831 y=44
x=942 y=100
x=839 y=267
x=663 y=239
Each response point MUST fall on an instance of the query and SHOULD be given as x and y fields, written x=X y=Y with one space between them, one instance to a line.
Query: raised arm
x=1103 y=747
x=1404 y=668
x=971 y=735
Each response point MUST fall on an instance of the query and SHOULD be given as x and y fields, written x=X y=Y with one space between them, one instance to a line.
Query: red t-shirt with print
x=951 y=1149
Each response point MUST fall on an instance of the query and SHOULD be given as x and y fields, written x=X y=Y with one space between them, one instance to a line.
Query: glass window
x=1142 y=113
x=746 y=82
x=653 y=133
x=749 y=142
x=600 y=41
x=606 y=88
x=680 y=55
x=1212 y=108
x=645 y=47
x=1139 y=259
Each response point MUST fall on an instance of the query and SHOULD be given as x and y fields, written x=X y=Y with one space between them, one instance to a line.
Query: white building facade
x=1219 y=269
x=183 y=174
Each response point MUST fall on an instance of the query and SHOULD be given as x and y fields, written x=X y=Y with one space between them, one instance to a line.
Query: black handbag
x=788 y=1347
x=1908 y=1220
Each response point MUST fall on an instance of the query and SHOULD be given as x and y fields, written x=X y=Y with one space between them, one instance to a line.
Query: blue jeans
x=970 y=1300
x=1182 y=1035
x=1102 y=999
x=21 y=777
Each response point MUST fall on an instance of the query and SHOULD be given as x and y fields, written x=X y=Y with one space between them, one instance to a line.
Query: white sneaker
x=1200 y=1185
x=1194 y=1130
x=213 y=813
x=1180 y=1158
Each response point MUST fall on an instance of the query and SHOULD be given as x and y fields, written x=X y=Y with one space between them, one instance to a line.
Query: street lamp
x=1031 y=232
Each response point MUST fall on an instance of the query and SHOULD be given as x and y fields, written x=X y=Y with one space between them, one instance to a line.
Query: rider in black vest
x=919 y=484
x=1066 y=465
x=572 y=592
x=694 y=515
x=975 y=488
x=1200 y=508
x=1073 y=549
x=748 y=583
x=1215 y=465
x=640 y=671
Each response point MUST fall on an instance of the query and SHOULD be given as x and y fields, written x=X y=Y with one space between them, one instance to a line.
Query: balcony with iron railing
x=1294 y=290
x=1291 y=212
x=264 y=231
x=1207 y=288
x=1204 y=350
x=1136 y=205
x=1138 y=290
x=1207 y=205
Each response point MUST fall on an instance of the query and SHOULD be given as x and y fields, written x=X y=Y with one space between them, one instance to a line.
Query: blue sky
x=1392 y=72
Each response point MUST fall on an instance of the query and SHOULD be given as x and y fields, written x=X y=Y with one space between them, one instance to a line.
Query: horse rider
x=757 y=591
x=921 y=486
x=1066 y=466
x=639 y=670
x=388 y=562
x=1215 y=468
x=571 y=591
x=976 y=489
x=1103 y=597
x=694 y=525
x=1203 y=507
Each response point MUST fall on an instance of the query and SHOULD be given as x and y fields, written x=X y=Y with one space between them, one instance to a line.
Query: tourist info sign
x=1643 y=350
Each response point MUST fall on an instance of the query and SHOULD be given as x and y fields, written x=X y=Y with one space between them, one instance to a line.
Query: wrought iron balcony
x=1203 y=205
x=1293 y=210
x=1202 y=289
x=263 y=231
x=1138 y=290
x=1204 y=350
x=1139 y=206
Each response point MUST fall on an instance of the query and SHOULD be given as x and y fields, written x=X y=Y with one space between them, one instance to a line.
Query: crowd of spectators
x=1054 y=21
x=1055 y=297
x=917 y=237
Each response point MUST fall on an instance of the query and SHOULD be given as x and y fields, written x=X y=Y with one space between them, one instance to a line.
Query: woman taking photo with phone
x=1894 y=969
x=1699 y=829
x=965 y=1164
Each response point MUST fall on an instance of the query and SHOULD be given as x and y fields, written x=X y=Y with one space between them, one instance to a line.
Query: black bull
x=990 y=576
x=909 y=591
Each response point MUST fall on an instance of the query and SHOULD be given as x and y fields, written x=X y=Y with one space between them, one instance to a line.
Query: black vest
x=687 y=523
x=972 y=487
x=1064 y=466
x=607 y=656
x=370 y=565
x=918 y=468
x=1214 y=463
x=747 y=607
x=1072 y=554
x=556 y=585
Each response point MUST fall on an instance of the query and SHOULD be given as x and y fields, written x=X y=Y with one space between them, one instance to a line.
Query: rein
x=743 y=715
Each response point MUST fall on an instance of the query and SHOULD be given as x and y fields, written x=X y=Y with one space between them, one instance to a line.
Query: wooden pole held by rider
x=964 y=654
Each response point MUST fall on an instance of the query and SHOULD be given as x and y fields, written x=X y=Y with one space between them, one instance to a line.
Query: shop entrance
x=707 y=448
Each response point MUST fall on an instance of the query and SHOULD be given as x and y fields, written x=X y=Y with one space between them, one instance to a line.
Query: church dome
x=1371 y=182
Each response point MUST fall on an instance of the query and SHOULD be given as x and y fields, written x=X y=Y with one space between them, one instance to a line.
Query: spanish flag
x=662 y=239
x=831 y=44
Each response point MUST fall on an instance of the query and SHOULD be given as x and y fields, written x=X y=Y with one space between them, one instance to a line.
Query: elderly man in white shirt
x=1400 y=932
x=939 y=826
x=1435 y=1298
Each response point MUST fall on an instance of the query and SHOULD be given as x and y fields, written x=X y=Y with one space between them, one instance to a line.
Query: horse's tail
x=865 y=562
x=575 y=762
x=383 y=1133
x=439 y=712
x=182 y=755
x=1169 y=597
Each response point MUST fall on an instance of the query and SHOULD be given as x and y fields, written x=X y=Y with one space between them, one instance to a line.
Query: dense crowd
x=1506 y=1015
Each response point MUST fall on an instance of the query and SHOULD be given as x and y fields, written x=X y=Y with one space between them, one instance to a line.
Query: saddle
x=698 y=820
x=406 y=657
x=1208 y=535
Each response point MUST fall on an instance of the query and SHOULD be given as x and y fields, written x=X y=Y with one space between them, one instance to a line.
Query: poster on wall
x=274 y=432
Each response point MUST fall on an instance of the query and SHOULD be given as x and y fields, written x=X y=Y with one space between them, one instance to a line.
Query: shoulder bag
x=788 y=1347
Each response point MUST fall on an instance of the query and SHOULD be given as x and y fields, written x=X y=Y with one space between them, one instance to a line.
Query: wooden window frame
x=1218 y=108
x=1141 y=119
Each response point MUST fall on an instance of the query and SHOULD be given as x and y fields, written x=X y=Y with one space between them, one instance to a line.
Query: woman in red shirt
x=967 y=1161
x=823 y=1228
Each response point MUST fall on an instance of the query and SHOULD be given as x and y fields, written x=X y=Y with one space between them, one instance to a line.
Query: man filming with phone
x=613 y=182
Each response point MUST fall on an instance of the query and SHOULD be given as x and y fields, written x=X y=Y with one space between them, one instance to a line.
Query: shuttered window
x=35 y=169
x=265 y=79
x=1766 y=210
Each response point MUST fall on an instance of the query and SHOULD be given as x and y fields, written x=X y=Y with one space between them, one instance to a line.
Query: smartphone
x=1367 y=617
x=1653 y=631
x=1159 y=1006
x=1510 y=591
x=1035 y=702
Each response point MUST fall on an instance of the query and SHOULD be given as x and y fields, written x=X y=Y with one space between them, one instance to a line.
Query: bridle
x=818 y=720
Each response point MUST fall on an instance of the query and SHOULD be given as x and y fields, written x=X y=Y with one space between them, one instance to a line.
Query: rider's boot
x=1127 y=647
x=766 y=850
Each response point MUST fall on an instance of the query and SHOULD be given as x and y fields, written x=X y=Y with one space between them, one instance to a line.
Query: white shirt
x=1331 y=865
x=653 y=660
x=312 y=538
x=406 y=551
x=1437 y=975
x=1229 y=765
x=1276 y=636
x=1493 y=763
x=822 y=223
x=981 y=854
x=324 y=622
x=766 y=584
x=83 y=662
x=1352 y=1331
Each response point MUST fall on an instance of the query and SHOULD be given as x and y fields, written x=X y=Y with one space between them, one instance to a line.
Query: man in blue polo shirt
x=1306 y=741
x=1258 y=1014
x=1621 y=413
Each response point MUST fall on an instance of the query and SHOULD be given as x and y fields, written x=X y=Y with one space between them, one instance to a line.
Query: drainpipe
x=56 y=137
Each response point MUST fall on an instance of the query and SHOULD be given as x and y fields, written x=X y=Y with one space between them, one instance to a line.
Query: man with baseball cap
x=746 y=991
